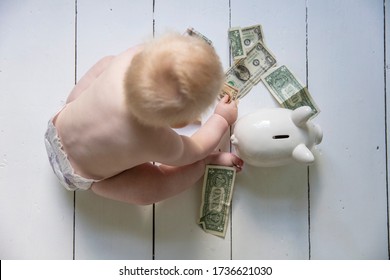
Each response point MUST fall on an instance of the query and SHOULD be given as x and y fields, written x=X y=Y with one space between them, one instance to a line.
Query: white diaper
x=60 y=163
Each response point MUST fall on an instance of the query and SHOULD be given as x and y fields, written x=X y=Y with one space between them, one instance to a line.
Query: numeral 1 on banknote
x=217 y=193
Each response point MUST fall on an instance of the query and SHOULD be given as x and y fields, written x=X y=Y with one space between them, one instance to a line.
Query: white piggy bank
x=274 y=137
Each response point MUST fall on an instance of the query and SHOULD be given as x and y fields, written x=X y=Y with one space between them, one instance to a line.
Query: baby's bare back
x=99 y=134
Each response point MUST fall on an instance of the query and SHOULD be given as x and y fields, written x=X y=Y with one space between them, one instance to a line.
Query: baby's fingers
x=225 y=99
x=234 y=103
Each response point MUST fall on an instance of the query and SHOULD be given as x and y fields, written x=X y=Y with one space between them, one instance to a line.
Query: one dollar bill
x=217 y=193
x=247 y=72
x=251 y=35
x=236 y=43
x=230 y=90
x=288 y=90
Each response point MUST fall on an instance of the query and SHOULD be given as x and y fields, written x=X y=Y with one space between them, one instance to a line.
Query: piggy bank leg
x=302 y=154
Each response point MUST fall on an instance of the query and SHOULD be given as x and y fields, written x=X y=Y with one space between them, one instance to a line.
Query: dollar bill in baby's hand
x=229 y=90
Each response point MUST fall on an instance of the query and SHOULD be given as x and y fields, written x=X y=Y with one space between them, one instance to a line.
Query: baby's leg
x=148 y=183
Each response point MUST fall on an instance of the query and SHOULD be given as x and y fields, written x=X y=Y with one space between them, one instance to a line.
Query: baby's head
x=173 y=80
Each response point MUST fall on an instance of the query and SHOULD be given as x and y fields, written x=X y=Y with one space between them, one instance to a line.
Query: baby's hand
x=228 y=110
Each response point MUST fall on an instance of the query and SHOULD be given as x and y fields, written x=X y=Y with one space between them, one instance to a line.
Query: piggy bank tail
x=234 y=140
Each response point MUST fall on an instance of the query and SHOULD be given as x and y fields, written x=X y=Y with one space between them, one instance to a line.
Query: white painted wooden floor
x=337 y=208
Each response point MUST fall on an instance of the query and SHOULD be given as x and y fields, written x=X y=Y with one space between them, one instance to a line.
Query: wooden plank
x=387 y=88
x=348 y=184
x=106 y=229
x=177 y=234
x=270 y=205
x=37 y=68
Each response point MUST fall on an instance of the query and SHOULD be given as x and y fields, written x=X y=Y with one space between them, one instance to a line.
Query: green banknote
x=217 y=193
x=251 y=35
x=192 y=32
x=236 y=43
x=288 y=90
x=247 y=72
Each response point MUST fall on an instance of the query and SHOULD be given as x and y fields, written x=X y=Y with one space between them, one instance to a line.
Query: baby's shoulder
x=129 y=53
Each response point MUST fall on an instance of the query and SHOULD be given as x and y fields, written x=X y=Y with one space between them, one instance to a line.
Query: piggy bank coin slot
x=280 y=136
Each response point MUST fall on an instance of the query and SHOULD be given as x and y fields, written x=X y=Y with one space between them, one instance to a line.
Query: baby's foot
x=225 y=159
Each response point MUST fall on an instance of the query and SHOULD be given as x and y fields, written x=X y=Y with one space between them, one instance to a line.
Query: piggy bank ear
x=301 y=115
x=302 y=154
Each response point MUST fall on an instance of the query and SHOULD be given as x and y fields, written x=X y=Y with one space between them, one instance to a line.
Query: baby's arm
x=89 y=77
x=206 y=139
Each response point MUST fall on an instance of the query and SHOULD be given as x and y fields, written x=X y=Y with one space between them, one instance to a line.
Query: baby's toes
x=237 y=162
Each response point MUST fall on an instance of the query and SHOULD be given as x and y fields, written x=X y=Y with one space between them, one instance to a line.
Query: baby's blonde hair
x=173 y=80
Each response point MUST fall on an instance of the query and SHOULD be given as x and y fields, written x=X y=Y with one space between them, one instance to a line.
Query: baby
x=118 y=119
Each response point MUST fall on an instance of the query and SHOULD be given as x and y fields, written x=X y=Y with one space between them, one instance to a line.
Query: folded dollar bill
x=288 y=90
x=229 y=90
x=192 y=32
x=217 y=193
